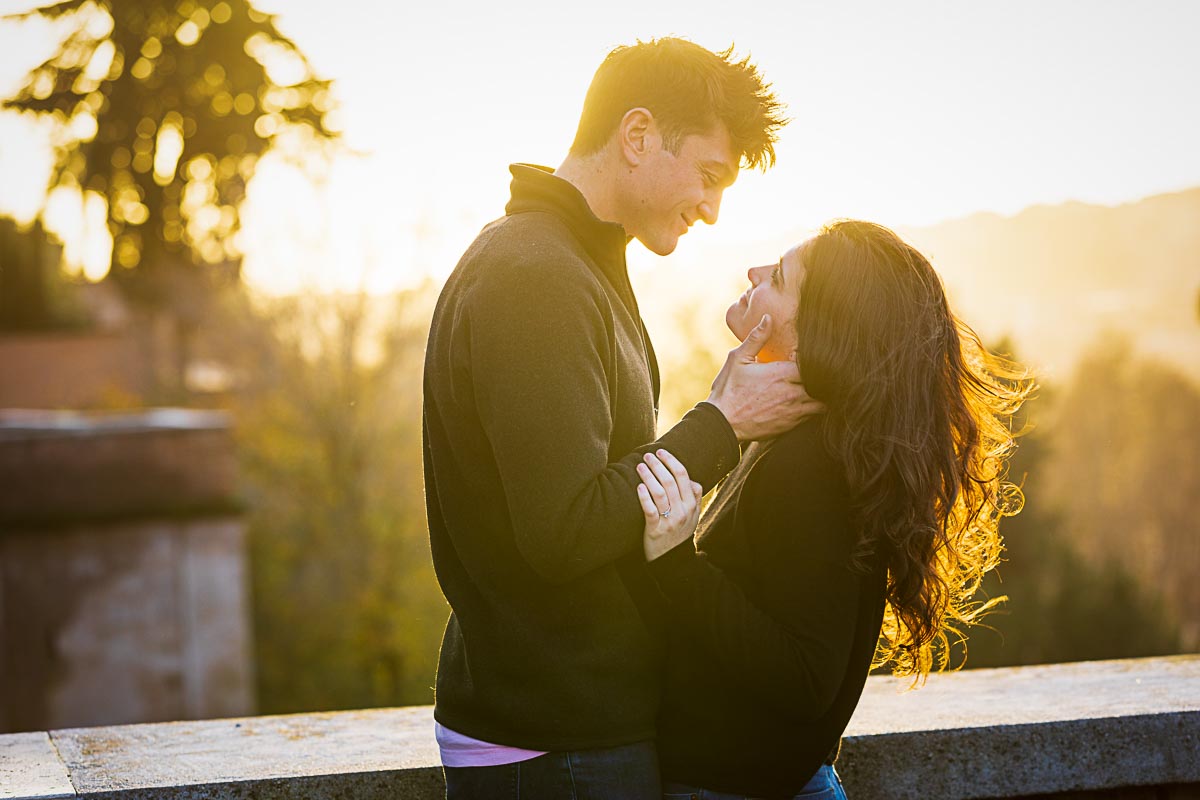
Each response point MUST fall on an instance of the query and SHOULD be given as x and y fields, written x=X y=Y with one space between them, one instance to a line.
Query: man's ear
x=638 y=135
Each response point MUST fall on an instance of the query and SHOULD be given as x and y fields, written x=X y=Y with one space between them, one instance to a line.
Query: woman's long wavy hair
x=920 y=415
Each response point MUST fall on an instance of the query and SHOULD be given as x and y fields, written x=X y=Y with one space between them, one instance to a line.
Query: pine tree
x=164 y=111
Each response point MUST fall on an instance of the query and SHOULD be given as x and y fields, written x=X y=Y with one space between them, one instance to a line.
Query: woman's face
x=775 y=290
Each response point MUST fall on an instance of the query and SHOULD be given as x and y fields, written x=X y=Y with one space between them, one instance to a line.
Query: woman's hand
x=670 y=502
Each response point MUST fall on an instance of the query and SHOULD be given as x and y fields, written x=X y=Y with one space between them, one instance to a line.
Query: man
x=541 y=392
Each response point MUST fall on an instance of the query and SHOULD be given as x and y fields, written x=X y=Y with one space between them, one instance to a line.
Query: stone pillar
x=123 y=580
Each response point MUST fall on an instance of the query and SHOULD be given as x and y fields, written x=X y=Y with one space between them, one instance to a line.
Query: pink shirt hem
x=460 y=750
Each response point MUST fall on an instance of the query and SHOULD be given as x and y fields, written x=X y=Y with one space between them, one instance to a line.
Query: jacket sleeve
x=793 y=650
x=540 y=357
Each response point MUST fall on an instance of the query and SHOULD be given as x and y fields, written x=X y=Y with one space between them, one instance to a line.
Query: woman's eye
x=775 y=276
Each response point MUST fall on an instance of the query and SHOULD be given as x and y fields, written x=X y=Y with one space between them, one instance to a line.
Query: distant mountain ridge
x=1054 y=277
x=1051 y=278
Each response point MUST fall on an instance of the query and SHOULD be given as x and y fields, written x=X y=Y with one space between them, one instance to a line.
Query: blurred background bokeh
x=242 y=212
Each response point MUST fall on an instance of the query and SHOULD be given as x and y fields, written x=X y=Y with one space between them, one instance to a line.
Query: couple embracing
x=608 y=641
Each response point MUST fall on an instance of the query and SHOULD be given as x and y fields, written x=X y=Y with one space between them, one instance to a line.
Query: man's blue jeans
x=824 y=785
x=628 y=772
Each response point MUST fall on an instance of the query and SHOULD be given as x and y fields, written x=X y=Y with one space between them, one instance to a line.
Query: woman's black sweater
x=772 y=630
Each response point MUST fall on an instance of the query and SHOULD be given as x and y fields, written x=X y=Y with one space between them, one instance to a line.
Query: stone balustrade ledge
x=1102 y=729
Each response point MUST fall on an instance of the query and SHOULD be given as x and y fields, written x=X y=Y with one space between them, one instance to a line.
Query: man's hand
x=760 y=400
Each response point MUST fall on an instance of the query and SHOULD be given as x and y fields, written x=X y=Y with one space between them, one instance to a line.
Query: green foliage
x=347 y=612
x=34 y=294
x=688 y=376
x=1098 y=564
x=1062 y=608
x=1124 y=469
x=165 y=109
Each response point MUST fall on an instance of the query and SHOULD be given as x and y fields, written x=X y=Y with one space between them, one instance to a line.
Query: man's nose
x=710 y=208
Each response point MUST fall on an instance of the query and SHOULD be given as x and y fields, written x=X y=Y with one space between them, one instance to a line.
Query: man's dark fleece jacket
x=541 y=392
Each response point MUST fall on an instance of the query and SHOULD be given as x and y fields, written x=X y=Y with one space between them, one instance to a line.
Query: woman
x=858 y=539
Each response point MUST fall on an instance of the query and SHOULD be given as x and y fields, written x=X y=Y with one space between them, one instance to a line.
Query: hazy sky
x=905 y=113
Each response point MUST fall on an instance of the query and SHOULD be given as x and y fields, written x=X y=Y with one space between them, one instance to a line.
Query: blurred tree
x=1070 y=555
x=164 y=110
x=34 y=294
x=1062 y=606
x=347 y=611
x=688 y=371
x=1124 y=469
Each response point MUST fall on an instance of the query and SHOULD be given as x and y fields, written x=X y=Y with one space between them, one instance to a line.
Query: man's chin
x=660 y=247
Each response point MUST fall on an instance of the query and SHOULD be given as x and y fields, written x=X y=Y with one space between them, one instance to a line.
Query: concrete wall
x=60 y=467
x=124 y=622
x=73 y=370
x=1120 y=730
x=123 y=579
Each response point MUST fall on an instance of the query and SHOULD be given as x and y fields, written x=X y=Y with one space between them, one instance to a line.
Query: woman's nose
x=758 y=274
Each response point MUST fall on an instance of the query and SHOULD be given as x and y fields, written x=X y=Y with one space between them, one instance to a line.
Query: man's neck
x=596 y=180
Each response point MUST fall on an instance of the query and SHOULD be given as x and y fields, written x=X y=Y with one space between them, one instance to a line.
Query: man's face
x=673 y=190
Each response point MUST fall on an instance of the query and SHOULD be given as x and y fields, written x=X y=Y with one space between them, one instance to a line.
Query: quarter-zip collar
x=536 y=188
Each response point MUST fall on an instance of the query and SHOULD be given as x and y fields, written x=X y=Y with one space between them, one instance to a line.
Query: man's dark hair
x=688 y=89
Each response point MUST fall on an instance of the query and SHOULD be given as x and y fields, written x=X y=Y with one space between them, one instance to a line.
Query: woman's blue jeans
x=824 y=785
x=628 y=772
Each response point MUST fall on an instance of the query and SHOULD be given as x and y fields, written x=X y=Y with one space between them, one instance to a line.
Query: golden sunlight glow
x=168 y=148
x=188 y=33
x=142 y=68
x=101 y=61
x=152 y=47
x=97 y=242
x=903 y=114
x=80 y=219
